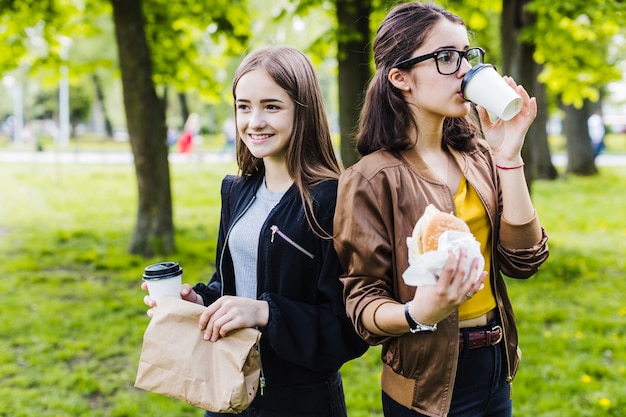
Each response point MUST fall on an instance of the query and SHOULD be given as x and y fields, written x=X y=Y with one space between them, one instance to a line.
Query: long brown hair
x=386 y=119
x=311 y=157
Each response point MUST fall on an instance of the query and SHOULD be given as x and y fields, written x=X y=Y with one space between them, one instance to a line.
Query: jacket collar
x=413 y=158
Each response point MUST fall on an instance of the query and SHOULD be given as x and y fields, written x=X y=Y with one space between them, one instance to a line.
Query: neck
x=277 y=176
x=429 y=133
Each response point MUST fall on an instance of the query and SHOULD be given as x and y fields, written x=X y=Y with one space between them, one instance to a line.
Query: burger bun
x=432 y=224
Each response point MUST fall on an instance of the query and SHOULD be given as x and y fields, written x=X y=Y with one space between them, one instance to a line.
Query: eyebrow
x=466 y=47
x=265 y=100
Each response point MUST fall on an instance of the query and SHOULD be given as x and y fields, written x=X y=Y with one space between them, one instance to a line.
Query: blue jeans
x=480 y=389
x=325 y=399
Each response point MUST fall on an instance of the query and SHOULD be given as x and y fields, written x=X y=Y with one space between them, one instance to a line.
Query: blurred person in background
x=595 y=125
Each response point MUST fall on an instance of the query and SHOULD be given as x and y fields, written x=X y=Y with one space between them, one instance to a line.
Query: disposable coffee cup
x=163 y=278
x=483 y=85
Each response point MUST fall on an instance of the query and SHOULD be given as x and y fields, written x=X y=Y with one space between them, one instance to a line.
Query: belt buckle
x=498 y=327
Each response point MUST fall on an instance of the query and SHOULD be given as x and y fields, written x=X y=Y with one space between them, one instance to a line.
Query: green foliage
x=191 y=40
x=73 y=316
x=573 y=40
x=196 y=44
x=483 y=22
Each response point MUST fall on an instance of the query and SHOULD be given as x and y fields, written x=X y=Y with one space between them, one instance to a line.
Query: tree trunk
x=543 y=166
x=517 y=58
x=184 y=109
x=580 y=159
x=108 y=127
x=353 y=45
x=510 y=27
x=145 y=118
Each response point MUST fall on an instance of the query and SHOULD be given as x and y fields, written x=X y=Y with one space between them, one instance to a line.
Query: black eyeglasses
x=448 y=61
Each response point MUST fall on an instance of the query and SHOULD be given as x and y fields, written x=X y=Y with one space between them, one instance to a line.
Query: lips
x=260 y=138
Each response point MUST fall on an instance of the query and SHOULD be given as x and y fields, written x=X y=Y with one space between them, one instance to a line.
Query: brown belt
x=483 y=338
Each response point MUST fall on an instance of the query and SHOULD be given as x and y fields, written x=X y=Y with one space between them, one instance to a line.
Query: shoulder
x=325 y=192
x=240 y=182
x=229 y=180
x=227 y=184
x=328 y=185
x=372 y=164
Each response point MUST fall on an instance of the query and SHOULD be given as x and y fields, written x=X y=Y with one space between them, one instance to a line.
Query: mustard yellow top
x=470 y=208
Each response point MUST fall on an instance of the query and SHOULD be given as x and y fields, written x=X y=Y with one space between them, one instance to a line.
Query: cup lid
x=162 y=270
x=468 y=76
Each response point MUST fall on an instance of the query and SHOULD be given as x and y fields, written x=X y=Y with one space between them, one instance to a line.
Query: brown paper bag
x=175 y=361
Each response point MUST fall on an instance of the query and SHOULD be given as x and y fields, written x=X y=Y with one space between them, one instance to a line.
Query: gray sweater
x=244 y=240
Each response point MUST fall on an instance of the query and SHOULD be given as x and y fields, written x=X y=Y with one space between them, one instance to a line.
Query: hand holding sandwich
x=446 y=265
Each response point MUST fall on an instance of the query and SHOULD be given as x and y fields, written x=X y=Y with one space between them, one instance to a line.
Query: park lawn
x=72 y=316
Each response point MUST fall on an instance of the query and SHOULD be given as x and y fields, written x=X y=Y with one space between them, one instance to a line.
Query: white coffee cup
x=163 y=278
x=483 y=85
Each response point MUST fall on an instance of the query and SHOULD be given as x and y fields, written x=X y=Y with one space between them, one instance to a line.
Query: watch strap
x=414 y=325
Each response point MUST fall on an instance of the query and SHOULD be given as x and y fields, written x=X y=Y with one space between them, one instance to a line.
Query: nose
x=464 y=66
x=257 y=119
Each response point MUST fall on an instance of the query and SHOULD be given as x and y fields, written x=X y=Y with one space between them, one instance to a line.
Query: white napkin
x=424 y=269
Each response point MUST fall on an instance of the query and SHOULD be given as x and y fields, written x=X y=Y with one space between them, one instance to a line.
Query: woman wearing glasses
x=449 y=349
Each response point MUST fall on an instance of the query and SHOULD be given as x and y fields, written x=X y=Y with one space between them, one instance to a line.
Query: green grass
x=98 y=143
x=615 y=143
x=572 y=314
x=72 y=315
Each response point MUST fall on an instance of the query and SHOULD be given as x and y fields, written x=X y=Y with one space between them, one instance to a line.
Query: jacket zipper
x=492 y=277
x=276 y=230
x=226 y=240
x=262 y=375
x=509 y=377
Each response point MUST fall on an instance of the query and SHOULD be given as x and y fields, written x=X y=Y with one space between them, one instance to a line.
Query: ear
x=399 y=79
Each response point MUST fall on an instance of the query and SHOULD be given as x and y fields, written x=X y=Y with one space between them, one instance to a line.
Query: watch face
x=425 y=328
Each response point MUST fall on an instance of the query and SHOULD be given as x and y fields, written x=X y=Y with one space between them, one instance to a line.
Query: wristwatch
x=414 y=325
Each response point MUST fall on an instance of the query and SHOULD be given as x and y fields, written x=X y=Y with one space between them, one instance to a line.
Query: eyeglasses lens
x=474 y=56
x=449 y=61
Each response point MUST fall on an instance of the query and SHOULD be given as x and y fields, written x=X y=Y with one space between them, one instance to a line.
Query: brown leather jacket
x=379 y=200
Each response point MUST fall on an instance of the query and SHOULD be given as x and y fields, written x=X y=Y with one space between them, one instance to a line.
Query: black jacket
x=308 y=336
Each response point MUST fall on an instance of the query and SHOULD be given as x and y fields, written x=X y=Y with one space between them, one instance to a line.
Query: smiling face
x=265 y=115
x=432 y=92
